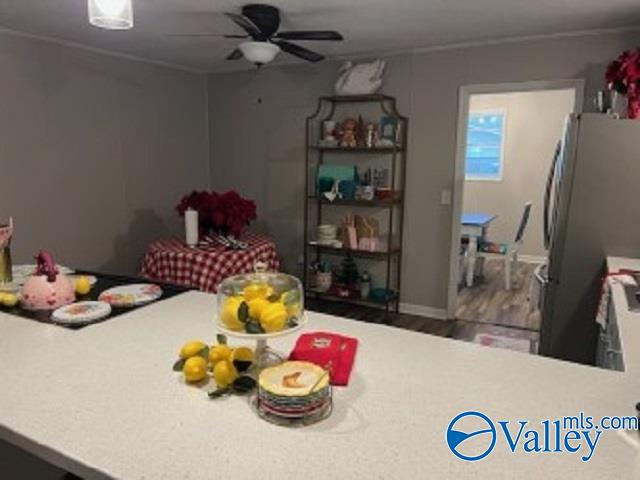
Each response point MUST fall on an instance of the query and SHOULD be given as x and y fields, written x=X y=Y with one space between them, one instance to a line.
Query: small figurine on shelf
x=323 y=276
x=371 y=136
x=348 y=133
x=361 y=133
x=329 y=133
x=365 y=285
x=329 y=130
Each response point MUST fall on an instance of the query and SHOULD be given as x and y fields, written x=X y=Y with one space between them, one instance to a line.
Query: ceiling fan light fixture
x=111 y=14
x=259 y=52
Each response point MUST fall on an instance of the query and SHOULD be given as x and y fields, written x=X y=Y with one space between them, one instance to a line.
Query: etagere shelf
x=396 y=158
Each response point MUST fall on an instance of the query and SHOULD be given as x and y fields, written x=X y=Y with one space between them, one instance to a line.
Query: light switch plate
x=445 y=196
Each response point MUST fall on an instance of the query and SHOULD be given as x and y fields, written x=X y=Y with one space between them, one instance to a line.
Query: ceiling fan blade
x=206 y=35
x=235 y=55
x=299 y=51
x=310 y=35
x=246 y=24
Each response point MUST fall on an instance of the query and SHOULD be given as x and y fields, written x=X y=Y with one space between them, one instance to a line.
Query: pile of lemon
x=258 y=309
x=227 y=365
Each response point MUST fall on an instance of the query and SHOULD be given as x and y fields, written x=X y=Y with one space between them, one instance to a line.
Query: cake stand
x=262 y=350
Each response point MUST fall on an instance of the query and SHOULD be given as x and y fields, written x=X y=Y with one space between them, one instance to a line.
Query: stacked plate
x=294 y=390
x=327 y=234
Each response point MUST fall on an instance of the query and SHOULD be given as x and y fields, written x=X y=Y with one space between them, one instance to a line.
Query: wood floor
x=458 y=329
x=488 y=301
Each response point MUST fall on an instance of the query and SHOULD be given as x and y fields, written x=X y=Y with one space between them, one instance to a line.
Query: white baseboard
x=423 y=311
x=531 y=258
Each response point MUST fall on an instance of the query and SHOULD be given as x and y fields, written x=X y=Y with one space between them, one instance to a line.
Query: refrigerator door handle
x=547 y=196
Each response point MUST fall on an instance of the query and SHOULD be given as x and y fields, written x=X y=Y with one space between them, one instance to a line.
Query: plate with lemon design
x=260 y=305
x=131 y=295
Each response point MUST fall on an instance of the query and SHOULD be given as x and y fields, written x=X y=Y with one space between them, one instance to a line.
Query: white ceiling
x=369 y=26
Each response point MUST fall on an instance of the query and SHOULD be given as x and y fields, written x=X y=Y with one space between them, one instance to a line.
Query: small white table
x=474 y=227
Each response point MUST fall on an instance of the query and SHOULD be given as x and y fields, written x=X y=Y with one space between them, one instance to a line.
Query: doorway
x=506 y=137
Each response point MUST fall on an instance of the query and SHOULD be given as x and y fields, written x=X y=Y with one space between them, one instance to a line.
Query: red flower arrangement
x=623 y=76
x=226 y=213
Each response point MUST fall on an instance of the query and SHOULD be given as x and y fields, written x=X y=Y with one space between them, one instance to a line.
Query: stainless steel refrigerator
x=591 y=210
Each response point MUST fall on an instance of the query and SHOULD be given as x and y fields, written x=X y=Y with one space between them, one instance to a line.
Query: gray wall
x=259 y=147
x=95 y=151
x=534 y=122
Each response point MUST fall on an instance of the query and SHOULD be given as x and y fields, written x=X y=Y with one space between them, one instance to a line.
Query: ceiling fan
x=260 y=23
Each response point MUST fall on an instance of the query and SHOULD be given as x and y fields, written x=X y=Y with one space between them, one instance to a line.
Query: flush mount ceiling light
x=111 y=14
x=259 y=52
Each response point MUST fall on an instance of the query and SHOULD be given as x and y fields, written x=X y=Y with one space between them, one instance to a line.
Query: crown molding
x=449 y=46
x=100 y=51
x=355 y=56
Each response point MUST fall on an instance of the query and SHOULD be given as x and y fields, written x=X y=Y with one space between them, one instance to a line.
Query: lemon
x=291 y=300
x=2 y=297
x=242 y=358
x=191 y=349
x=195 y=369
x=290 y=296
x=256 y=306
x=256 y=290
x=9 y=299
x=83 y=285
x=218 y=353
x=229 y=314
x=224 y=373
x=293 y=310
x=274 y=317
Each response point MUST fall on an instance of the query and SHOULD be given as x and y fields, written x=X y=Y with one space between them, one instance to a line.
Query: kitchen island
x=103 y=402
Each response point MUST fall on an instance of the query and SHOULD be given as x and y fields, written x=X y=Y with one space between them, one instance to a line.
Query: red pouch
x=333 y=352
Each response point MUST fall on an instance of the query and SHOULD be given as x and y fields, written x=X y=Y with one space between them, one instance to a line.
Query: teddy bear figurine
x=348 y=133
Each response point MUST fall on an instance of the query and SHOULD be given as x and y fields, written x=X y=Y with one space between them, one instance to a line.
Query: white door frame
x=464 y=95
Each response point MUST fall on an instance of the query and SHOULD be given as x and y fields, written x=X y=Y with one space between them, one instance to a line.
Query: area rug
x=498 y=341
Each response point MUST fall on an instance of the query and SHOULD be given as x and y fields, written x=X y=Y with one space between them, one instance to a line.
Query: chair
x=507 y=251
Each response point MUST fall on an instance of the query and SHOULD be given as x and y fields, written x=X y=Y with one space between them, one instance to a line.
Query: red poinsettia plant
x=227 y=213
x=623 y=76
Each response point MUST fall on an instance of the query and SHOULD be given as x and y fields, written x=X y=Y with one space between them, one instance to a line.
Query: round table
x=204 y=267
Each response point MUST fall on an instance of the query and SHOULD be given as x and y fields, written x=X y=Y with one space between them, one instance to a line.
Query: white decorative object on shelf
x=360 y=79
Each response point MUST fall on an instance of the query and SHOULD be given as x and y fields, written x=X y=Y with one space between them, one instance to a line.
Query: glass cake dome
x=260 y=304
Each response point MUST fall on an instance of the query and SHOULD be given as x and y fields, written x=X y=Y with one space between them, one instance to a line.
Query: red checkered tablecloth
x=172 y=261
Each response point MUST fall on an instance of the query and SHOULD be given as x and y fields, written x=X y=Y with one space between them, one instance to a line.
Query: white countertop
x=103 y=402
